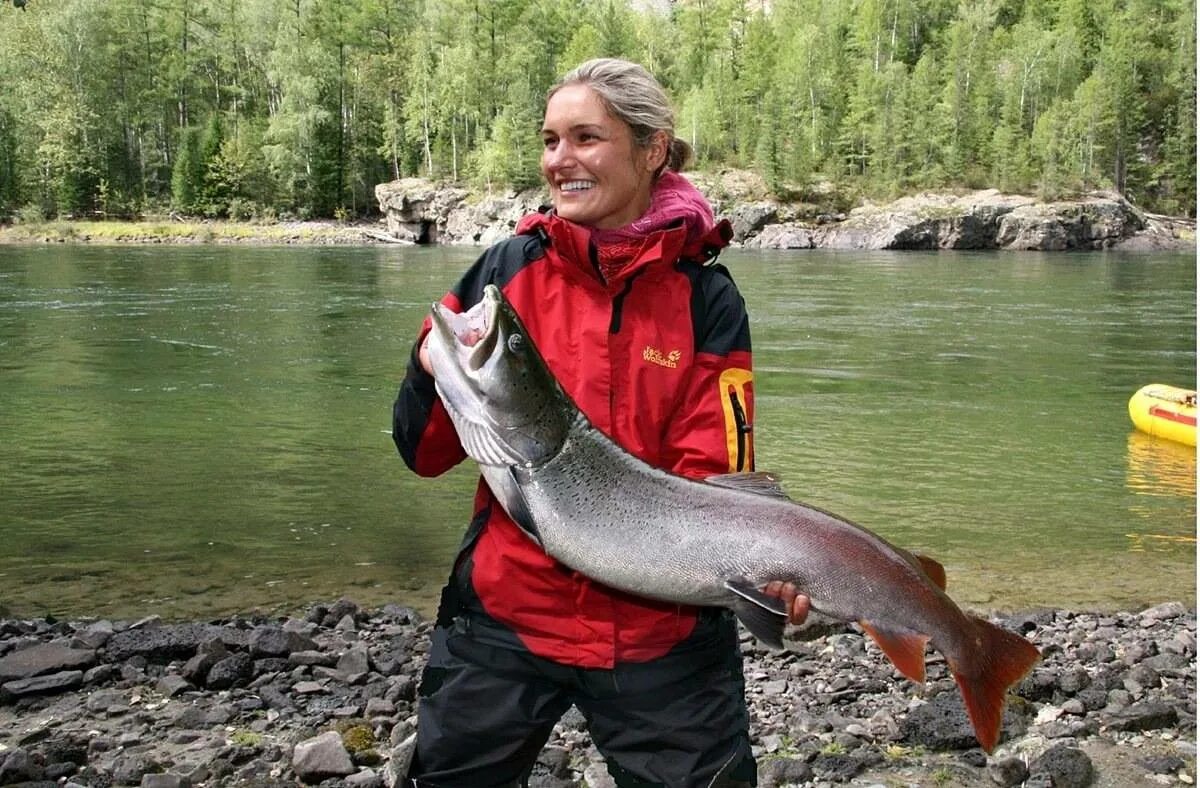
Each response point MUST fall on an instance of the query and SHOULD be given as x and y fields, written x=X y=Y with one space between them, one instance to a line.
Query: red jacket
x=658 y=357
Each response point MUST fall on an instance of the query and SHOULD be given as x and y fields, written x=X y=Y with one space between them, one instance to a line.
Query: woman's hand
x=423 y=355
x=797 y=604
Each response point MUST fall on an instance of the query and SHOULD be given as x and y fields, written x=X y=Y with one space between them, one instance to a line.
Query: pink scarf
x=673 y=199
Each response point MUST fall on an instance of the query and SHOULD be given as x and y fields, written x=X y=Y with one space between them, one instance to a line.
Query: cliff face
x=420 y=211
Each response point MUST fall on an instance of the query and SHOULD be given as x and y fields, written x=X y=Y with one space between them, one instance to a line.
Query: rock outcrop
x=419 y=211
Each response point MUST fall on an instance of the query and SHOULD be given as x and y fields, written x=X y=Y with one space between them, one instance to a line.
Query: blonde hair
x=631 y=93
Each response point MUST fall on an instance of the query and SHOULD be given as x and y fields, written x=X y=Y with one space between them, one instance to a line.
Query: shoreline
x=328 y=696
x=167 y=232
x=449 y=216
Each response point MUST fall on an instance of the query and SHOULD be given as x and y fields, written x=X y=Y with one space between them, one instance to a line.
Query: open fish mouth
x=472 y=334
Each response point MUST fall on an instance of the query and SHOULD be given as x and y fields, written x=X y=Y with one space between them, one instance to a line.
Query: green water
x=195 y=431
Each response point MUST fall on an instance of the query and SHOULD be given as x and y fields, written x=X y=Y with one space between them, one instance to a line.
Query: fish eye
x=516 y=343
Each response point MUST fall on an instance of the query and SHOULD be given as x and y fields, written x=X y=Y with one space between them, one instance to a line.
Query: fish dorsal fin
x=757 y=482
x=763 y=615
x=933 y=570
x=905 y=648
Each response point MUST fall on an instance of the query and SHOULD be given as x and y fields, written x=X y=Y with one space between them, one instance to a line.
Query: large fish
x=605 y=513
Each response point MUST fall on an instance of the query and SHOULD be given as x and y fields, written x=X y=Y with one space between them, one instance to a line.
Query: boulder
x=322 y=757
x=417 y=209
x=44 y=658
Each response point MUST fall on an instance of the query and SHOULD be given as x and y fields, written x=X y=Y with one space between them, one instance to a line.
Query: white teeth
x=576 y=186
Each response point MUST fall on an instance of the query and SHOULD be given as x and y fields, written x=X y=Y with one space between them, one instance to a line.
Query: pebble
x=329 y=698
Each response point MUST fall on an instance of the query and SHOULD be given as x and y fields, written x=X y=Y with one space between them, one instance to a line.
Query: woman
x=615 y=286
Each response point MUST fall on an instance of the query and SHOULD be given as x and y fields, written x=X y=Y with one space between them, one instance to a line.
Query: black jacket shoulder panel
x=498 y=265
x=417 y=395
x=719 y=319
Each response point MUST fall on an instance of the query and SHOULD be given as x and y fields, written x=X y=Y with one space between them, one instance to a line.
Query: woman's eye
x=549 y=142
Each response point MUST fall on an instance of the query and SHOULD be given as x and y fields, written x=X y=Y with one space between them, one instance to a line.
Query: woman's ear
x=657 y=151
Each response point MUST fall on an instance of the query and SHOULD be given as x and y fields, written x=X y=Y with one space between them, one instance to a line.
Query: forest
x=297 y=108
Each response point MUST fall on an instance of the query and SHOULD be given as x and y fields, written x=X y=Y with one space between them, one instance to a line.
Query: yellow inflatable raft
x=1165 y=411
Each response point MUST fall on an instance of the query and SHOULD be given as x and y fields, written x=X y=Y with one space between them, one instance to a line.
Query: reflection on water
x=200 y=430
x=1159 y=470
x=1158 y=466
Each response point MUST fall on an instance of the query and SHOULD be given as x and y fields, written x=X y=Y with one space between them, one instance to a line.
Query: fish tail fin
x=905 y=648
x=999 y=659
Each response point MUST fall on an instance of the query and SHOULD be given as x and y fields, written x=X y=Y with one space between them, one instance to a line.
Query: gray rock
x=555 y=760
x=129 y=769
x=1064 y=766
x=367 y=778
x=838 y=767
x=1142 y=716
x=1163 y=764
x=44 y=658
x=41 y=685
x=1164 y=612
x=355 y=661
x=1074 y=680
x=400 y=759
x=232 y=671
x=312 y=658
x=17 y=766
x=173 y=685
x=940 y=724
x=1008 y=771
x=274 y=641
x=400 y=614
x=749 y=218
x=165 y=780
x=95 y=634
x=178 y=641
x=774 y=772
x=322 y=757
x=108 y=701
x=196 y=669
x=783 y=236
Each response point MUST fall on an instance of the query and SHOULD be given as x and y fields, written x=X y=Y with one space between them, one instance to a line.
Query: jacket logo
x=668 y=360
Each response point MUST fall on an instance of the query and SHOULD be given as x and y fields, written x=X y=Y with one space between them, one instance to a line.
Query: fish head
x=505 y=404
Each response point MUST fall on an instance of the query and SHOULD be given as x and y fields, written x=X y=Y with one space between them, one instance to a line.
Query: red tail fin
x=998 y=660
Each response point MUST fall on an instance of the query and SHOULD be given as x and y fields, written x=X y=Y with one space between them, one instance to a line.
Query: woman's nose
x=558 y=155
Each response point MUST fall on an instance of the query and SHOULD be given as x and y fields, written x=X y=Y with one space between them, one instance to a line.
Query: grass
x=106 y=231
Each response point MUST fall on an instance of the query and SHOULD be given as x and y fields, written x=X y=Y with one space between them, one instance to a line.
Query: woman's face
x=597 y=175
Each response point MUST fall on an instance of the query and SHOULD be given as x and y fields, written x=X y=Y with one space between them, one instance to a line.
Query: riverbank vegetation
x=297 y=108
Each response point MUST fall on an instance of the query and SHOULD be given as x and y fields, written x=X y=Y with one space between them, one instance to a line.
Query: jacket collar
x=667 y=246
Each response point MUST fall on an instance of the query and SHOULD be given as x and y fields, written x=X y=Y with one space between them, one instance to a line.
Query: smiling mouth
x=572 y=187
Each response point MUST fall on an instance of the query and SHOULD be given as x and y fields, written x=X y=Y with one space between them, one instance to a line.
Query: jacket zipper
x=744 y=431
x=614 y=328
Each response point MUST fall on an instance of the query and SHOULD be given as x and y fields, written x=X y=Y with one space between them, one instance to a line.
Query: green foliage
x=293 y=107
x=187 y=176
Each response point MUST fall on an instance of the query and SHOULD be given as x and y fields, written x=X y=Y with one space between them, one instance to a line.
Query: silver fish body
x=603 y=512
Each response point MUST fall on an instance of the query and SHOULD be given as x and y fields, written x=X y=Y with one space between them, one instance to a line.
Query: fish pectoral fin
x=763 y=615
x=757 y=482
x=905 y=648
x=517 y=507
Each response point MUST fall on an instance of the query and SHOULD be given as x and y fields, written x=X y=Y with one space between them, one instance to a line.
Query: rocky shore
x=329 y=699
x=421 y=211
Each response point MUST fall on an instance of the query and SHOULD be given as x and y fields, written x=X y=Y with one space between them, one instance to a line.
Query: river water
x=193 y=431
